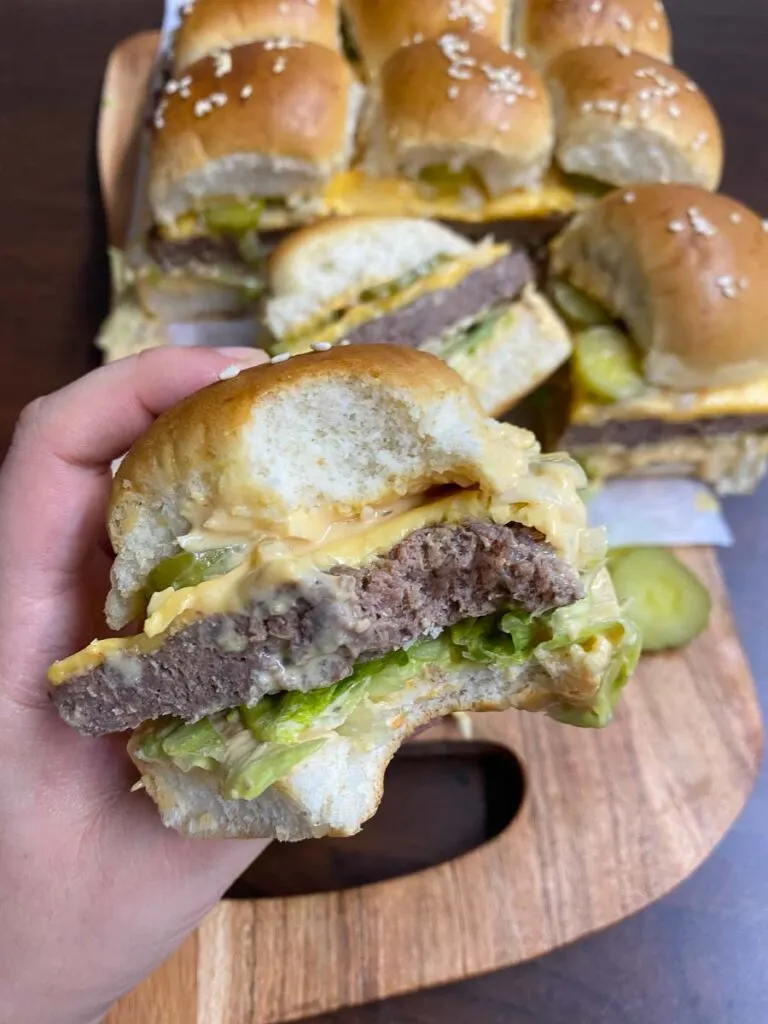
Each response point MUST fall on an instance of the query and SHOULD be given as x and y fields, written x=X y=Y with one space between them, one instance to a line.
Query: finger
x=54 y=487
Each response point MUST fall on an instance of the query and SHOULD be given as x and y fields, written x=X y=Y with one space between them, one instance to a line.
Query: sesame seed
x=743 y=282
x=735 y=218
x=321 y=346
x=674 y=110
x=229 y=372
x=203 y=107
x=596 y=6
x=171 y=87
x=623 y=50
x=418 y=37
x=625 y=23
x=629 y=197
x=281 y=358
x=691 y=87
x=344 y=342
x=246 y=92
x=453 y=92
x=222 y=60
x=699 y=141
x=218 y=99
x=279 y=66
x=700 y=224
x=607 y=106
x=653 y=24
x=185 y=82
x=676 y=226
x=184 y=93
x=520 y=53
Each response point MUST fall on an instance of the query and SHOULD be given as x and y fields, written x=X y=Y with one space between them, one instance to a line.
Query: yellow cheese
x=673 y=406
x=354 y=192
x=273 y=563
x=445 y=276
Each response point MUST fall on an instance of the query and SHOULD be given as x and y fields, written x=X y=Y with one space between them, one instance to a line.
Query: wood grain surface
x=697 y=957
x=610 y=821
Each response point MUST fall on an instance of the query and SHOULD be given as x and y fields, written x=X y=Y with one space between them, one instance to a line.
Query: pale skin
x=94 y=892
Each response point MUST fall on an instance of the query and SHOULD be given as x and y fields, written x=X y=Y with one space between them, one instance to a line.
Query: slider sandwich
x=325 y=554
x=664 y=288
x=214 y=27
x=239 y=145
x=547 y=28
x=376 y=28
x=624 y=118
x=364 y=280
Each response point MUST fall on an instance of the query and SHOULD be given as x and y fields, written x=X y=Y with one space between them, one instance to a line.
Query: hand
x=94 y=891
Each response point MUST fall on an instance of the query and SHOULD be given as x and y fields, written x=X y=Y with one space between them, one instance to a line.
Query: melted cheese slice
x=673 y=406
x=273 y=563
x=354 y=192
x=444 y=277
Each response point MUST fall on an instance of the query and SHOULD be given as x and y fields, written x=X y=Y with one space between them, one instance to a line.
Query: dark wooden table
x=701 y=955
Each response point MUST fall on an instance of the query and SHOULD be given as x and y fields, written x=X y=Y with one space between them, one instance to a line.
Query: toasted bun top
x=218 y=25
x=280 y=99
x=684 y=269
x=548 y=28
x=380 y=27
x=466 y=91
x=632 y=90
x=317 y=264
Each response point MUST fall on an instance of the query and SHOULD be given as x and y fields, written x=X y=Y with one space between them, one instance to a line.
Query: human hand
x=94 y=891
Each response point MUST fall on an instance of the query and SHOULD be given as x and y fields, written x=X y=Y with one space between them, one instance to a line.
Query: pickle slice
x=188 y=570
x=235 y=218
x=578 y=309
x=669 y=604
x=605 y=364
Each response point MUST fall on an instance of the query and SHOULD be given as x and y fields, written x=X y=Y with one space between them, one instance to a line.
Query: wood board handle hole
x=467 y=792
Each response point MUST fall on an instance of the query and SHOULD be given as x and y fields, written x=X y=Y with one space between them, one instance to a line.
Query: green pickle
x=605 y=364
x=235 y=218
x=443 y=179
x=188 y=569
x=579 y=309
x=667 y=602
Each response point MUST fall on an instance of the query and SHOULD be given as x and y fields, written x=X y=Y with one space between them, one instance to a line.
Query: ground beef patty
x=171 y=254
x=433 y=314
x=631 y=433
x=312 y=633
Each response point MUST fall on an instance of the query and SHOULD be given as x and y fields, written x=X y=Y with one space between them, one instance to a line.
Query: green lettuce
x=249 y=776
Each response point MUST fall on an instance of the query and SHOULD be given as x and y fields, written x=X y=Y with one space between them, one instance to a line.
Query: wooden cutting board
x=610 y=821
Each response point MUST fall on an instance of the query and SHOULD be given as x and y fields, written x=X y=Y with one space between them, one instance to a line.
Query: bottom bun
x=525 y=349
x=729 y=463
x=208 y=293
x=339 y=786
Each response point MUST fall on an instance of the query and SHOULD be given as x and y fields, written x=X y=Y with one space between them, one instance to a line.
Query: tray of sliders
x=528 y=195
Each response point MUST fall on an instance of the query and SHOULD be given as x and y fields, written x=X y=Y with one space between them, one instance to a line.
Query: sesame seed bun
x=213 y=25
x=624 y=118
x=547 y=28
x=683 y=269
x=379 y=27
x=463 y=101
x=281 y=121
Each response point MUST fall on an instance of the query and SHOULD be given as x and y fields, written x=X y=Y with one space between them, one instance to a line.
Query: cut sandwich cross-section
x=324 y=554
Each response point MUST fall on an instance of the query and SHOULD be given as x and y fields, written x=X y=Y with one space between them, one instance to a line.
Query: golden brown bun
x=684 y=269
x=464 y=101
x=379 y=27
x=213 y=25
x=282 y=119
x=624 y=118
x=547 y=28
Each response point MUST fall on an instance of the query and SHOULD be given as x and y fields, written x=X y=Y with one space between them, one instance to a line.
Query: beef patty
x=310 y=634
x=171 y=254
x=632 y=433
x=433 y=314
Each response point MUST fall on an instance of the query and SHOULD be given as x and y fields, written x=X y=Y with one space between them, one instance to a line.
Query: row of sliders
x=655 y=292
x=446 y=108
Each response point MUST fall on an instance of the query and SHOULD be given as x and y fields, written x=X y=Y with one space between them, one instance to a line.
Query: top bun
x=547 y=28
x=624 y=118
x=284 y=449
x=280 y=121
x=212 y=26
x=461 y=101
x=683 y=268
x=379 y=27
x=334 y=258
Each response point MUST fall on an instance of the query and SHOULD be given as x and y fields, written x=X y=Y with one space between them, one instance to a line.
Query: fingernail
x=244 y=356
